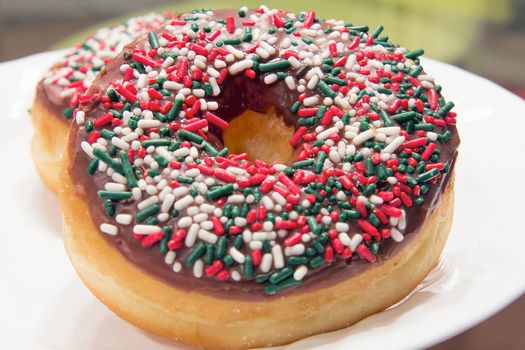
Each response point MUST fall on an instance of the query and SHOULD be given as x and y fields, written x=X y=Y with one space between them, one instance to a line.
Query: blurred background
x=482 y=36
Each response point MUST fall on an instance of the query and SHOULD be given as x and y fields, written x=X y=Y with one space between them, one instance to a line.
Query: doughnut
x=58 y=92
x=247 y=178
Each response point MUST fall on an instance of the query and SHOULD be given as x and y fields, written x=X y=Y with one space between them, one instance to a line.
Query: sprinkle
x=414 y=54
x=111 y=230
x=370 y=124
x=275 y=65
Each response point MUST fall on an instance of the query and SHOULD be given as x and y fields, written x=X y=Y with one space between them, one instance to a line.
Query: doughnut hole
x=262 y=136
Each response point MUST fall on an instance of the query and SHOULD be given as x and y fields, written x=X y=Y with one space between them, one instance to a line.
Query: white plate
x=44 y=305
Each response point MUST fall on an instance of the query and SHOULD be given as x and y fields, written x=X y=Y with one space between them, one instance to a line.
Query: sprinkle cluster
x=73 y=74
x=370 y=124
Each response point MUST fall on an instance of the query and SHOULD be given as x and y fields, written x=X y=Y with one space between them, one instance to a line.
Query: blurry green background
x=482 y=36
x=485 y=37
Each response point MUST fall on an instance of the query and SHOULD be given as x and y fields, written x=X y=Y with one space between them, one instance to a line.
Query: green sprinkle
x=359 y=28
x=414 y=54
x=187 y=135
x=114 y=195
x=68 y=112
x=147 y=212
x=297 y=260
x=92 y=167
x=274 y=288
x=220 y=249
x=281 y=275
x=369 y=167
x=445 y=109
x=404 y=117
x=220 y=192
x=275 y=65
x=128 y=169
x=261 y=278
x=316 y=262
x=318 y=165
x=382 y=90
x=429 y=175
x=415 y=72
x=107 y=134
x=97 y=152
x=197 y=251
x=386 y=118
x=326 y=90
x=212 y=151
x=228 y=261
x=109 y=207
x=113 y=96
x=302 y=164
x=334 y=80
x=185 y=180
x=314 y=226
x=208 y=255
x=174 y=110
x=248 y=268
x=153 y=40
x=377 y=31
x=232 y=41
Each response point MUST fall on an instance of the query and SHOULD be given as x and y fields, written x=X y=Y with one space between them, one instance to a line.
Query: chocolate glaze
x=49 y=97
x=238 y=94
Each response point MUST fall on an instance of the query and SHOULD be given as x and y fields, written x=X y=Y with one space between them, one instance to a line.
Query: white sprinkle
x=191 y=236
x=111 y=230
x=345 y=239
x=364 y=136
x=267 y=202
x=236 y=255
x=396 y=235
x=311 y=101
x=198 y=268
x=342 y=227
x=240 y=66
x=183 y=202
x=123 y=219
x=207 y=236
x=266 y=263
x=80 y=117
x=392 y=146
x=389 y=131
x=147 y=202
x=290 y=82
x=402 y=221
x=200 y=217
x=279 y=198
x=114 y=187
x=277 y=253
x=327 y=133
x=236 y=275
x=356 y=240
x=185 y=222
x=270 y=78
x=149 y=123
x=177 y=266
x=86 y=147
x=300 y=272
x=296 y=249
x=145 y=229
x=169 y=258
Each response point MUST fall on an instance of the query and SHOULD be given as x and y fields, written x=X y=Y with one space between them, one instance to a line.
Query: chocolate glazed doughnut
x=58 y=93
x=227 y=249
